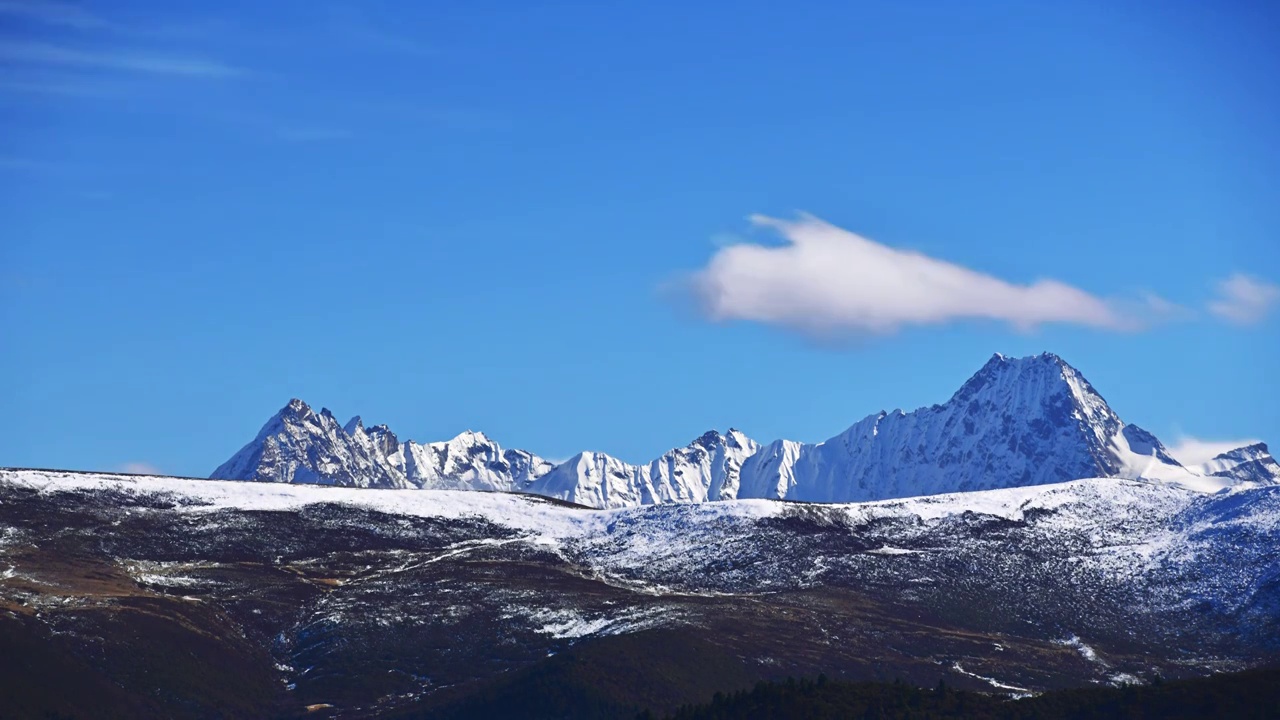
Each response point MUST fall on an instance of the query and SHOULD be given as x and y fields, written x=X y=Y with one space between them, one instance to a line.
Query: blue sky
x=532 y=219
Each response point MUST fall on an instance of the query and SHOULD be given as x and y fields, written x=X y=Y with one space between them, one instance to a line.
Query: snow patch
x=1017 y=691
x=572 y=624
x=888 y=550
x=1085 y=651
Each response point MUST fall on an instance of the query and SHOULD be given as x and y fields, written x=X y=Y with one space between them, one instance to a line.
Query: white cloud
x=140 y=468
x=826 y=281
x=1194 y=451
x=1243 y=300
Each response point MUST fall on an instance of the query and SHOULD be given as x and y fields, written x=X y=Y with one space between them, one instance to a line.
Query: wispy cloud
x=54 y=13
x=33 y=165
x=40 y=53
x=353 y=26
x=60 y=87
x=140 y=468
x=69 y=16
x=1194 y=451
x=1244 y=300
x=13 y=163
x=375 y=39
x=828 y=281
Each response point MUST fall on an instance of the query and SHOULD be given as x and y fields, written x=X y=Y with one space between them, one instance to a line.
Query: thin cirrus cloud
x=353 y=27
x=48 y=54
x=828 y=281
x=1243 y=300
x=54 y=13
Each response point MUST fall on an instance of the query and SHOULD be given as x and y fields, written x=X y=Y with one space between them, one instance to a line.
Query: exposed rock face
x=1251 y=463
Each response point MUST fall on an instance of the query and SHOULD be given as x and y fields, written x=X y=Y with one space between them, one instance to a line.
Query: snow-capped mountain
x=1251 y=463
x=709 y=468
x=299 y=445
x=1017 y=422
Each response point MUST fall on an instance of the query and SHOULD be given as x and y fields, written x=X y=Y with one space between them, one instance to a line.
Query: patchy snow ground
x=571 y=623
x=1118 y=561
x=554 y=521
x=1127 y=525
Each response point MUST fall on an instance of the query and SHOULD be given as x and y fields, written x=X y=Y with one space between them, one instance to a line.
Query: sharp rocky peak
x=709 y=440
x=1249 y=463
x=470 y=437
x=1251 y=451
x=293 y=411
x=299 y=445
x=296 y=405
x=1005 y=372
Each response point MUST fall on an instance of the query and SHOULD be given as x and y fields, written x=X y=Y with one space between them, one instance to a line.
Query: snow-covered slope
x=1126 y=525
x=1017 y=422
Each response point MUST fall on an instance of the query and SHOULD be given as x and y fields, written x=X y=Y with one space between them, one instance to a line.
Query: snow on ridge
x=1012 y=503
x=541 y=518
x=534 y=515
x=1131 y=526
x=545 y=517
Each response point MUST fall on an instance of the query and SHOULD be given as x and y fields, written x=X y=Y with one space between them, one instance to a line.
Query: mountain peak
x=739 y=440
x=295 y=408
x=1011 y=361
x=1014 y=375
x=1251 y=463
x=709 y=439
x=470 y=437
x=1252 y=451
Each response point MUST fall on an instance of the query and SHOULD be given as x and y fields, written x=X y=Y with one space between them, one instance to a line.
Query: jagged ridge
x=302 y=446
x=1016 y=422
x=1251 y=463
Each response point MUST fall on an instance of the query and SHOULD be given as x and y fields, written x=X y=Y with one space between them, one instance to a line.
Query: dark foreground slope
x=1247 y=695
x=158 y=597
x=618 y=677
